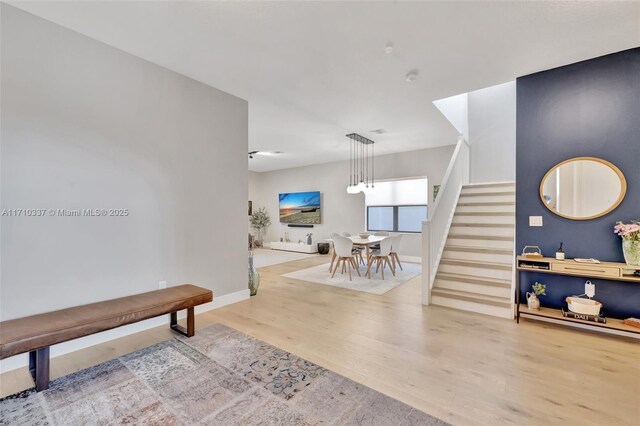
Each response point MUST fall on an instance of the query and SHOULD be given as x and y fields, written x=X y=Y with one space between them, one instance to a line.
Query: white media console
x=298 y=247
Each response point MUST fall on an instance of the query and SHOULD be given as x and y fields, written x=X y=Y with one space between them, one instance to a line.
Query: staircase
x=475 y=272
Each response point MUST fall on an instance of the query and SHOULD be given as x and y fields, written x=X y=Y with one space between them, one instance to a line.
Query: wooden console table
x=603 y=270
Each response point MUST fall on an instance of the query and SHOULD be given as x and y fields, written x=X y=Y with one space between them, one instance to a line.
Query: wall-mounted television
x=300 y=208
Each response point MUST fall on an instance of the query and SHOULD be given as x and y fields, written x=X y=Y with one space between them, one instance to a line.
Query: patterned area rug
x=320 y=275
x=218 y=377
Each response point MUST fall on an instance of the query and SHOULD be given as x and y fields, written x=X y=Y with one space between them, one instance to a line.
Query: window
x=380 y=218
x=410 y=218
x=397 y=205
x=396 y=218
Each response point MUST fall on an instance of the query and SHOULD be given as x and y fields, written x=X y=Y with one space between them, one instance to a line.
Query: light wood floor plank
x=462 y=367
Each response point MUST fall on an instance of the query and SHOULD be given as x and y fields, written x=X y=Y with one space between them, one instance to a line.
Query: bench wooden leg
x=39 y=368
x=191 y=323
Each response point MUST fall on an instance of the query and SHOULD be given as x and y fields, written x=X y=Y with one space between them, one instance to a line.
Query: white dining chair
x=381 y=258
x=332 y=236
x=357 y=250
x=379 y=234
x=394 y=251
x=343 y=247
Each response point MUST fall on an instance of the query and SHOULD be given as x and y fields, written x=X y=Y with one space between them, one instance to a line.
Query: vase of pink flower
x=630 y=233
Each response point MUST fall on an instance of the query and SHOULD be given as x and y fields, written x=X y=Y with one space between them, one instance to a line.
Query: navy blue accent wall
x=590 y=108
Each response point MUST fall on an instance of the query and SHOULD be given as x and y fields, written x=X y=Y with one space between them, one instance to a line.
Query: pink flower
x=628 y=230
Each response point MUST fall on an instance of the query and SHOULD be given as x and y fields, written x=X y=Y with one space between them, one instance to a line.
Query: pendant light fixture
x=361 y=168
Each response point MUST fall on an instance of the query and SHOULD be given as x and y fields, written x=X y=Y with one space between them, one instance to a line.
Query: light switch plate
x=535 y=220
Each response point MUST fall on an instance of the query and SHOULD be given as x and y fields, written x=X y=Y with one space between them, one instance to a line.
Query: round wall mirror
x=583 y=188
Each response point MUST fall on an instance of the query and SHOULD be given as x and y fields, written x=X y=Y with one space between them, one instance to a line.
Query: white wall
x=456 y=110
x=85 y=125
x=492 y=133
x=342 y=211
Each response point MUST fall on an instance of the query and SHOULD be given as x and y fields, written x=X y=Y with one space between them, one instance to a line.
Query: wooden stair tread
x=487 y=194
x=476 y=264
x=488 y=203
x=488 y=214
x=472 y=249
x=502 y=302
x=488 y=185
x=480 y=237
x=484 y=225
x=471 y=279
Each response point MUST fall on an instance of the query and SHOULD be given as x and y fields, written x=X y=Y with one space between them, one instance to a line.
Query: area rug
x=218 y=377
x=268 y=257
x=376 y=285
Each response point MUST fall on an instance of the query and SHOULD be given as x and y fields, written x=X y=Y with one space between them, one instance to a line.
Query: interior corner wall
x=590 y=108
x=492 y=133
x=341 y=211
x=88 y=126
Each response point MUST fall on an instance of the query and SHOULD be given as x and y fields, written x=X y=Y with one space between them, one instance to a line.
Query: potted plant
x=260 y=221
x=630 y=233
x=533 y=302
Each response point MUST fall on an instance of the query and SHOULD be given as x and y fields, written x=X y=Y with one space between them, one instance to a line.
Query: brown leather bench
x=36 y=333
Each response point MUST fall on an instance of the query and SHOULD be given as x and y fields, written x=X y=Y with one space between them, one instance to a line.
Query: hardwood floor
x=462 y=367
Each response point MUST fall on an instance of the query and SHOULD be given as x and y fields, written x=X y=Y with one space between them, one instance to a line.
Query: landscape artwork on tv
x=300 y=207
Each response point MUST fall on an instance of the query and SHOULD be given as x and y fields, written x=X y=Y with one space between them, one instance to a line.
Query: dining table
x=372 y=240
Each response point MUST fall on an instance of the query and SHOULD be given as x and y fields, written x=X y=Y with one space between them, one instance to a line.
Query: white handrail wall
x=436 y=228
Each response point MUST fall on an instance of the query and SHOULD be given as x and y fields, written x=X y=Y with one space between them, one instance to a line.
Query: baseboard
x=410 y=259
x=22 y=360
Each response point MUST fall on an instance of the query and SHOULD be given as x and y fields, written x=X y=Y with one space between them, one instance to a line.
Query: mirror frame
x=623 y=188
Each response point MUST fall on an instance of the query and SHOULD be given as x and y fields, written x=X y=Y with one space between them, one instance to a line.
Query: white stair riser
x=474 y=288
x=487 y=199
x=486 y=231
x=495 y=311
x=482 y=190
x=510 y=209
x=458 y=218
x=483 y=257
x=480 y=243
x=475 y=271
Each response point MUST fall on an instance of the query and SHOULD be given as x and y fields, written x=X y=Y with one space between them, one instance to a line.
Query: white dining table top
x=373 y=239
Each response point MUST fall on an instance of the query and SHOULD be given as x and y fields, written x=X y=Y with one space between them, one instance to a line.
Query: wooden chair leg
x=370 y=264
x=392 y=266
x=398 y=260
x=333 y=258
x=356 y=266
x=379 y=262
x=335 y=269
x=349 y=266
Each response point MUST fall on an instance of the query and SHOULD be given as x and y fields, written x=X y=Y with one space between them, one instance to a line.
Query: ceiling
x=315 y=71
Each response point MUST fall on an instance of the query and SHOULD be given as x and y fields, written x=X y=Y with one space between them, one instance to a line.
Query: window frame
x=395 y=218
